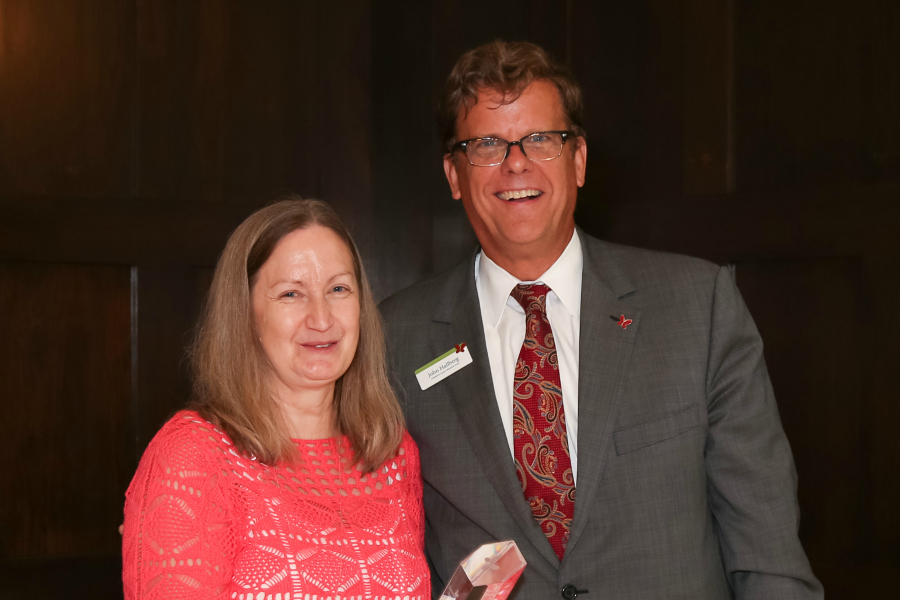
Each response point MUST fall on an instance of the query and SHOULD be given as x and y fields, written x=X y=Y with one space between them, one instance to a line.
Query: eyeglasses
x=489 y=151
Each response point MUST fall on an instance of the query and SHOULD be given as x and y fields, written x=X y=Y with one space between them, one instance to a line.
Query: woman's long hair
x=231 y=372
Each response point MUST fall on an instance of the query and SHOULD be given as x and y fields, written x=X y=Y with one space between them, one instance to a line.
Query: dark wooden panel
x=65 y=381
x=707 y=96
x=62 y=579
x=831 y=350
x=726 y=228
x=114 y=231
x=405 y=154
x=344 y=143
x=817 y=93
x=629 y=58
x=230 y=100
x=881 y=288
x=853 y=581
x=168 y=304
x=456 y=29
x=66 y=103
x=812 y=319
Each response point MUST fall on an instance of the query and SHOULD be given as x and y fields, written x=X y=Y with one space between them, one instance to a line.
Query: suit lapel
x=604 y=355
x=472 y=395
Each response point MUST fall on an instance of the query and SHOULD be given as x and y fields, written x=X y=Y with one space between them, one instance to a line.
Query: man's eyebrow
x=497 y=136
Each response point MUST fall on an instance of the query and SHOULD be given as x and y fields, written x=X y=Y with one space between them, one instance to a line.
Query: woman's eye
x=289 y=295
x=339 y=288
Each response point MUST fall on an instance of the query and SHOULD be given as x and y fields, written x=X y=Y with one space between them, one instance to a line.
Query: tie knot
x=531 y=297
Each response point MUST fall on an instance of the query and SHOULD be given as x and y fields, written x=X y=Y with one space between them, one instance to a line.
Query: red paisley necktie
x=539 y=423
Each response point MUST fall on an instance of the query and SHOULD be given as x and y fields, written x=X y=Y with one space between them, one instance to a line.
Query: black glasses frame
x=461 y=145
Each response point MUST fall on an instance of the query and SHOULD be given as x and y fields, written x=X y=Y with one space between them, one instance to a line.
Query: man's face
x=519 y=208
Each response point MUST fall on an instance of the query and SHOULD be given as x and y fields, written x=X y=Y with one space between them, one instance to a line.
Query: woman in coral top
x=292 y=476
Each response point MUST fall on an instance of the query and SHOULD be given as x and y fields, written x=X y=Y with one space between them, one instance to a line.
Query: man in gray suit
x=606 y=407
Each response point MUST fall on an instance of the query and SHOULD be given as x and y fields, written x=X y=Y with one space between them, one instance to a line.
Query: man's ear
x=580 y=160
x=452 y=177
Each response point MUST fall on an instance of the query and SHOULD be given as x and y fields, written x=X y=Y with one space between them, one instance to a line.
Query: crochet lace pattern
x=202 y=521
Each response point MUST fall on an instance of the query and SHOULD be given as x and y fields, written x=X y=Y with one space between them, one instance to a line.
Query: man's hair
x=231 y=371
x=507 y=68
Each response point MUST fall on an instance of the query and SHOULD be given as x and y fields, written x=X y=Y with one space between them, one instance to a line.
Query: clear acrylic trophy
x=489 y=573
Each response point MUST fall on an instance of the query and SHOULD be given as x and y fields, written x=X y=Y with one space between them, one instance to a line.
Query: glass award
x=489 y=573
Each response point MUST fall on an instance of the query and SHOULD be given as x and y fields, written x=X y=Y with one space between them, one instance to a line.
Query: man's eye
x=289 y=295
x=487 y=144
x=539 y=138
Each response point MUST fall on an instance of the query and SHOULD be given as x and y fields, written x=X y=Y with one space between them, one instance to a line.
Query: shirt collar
x=563 y=277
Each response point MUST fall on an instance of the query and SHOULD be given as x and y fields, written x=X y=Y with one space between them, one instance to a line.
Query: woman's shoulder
x=188 y=436
x=189 y=423
x=186 y=446
x=408 y=443
x=409 y=451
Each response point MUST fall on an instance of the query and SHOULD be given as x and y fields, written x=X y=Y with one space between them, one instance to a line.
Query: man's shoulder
x=645 y=268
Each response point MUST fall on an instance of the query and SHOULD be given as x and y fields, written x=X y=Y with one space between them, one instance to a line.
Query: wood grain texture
x=825 y=348
x=230 y=107
x=818 y=93
x=707 y=96
x=810 y=314
x=345 y=141
x=168 y=304
x=630 y=61
x=725 y=228
x=65 y=381
x=115 y=230
x=407 y=179
x=66 y=112
x=880 y=277
x=68 y=578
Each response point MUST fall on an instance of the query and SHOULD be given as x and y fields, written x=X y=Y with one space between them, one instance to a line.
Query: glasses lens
x=543 y=146
x=486 y=151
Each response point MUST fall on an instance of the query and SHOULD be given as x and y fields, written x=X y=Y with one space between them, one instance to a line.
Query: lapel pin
x=622 y=321
x=460 y=347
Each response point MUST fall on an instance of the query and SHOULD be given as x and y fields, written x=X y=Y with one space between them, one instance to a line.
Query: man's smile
x=519 y=194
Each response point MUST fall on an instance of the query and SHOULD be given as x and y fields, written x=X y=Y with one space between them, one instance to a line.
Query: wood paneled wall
x=135 y=135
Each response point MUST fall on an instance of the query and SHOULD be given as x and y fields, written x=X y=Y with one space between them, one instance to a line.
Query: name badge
x=443 y=366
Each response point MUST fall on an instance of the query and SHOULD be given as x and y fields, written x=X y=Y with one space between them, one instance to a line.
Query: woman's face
x=306 y=310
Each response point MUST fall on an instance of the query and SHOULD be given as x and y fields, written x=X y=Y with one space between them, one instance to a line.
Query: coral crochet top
x=202 y=521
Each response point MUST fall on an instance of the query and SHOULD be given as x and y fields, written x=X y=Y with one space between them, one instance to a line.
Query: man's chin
x=526 y=241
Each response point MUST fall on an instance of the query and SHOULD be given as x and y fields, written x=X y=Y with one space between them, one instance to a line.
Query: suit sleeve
x=752 y=482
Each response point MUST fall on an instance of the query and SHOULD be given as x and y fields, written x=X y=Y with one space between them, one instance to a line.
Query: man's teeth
x=515 y=194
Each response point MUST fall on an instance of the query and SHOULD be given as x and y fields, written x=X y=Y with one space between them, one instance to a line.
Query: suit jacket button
x=569 y=592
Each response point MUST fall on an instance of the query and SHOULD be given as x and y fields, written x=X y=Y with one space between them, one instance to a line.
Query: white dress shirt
x=503 y=320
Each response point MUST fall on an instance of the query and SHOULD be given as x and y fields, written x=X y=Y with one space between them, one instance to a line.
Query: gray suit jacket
x=686 y=485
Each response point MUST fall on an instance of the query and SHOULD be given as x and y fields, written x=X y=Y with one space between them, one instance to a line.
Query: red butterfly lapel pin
x=622 y=321
x=460 y=347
